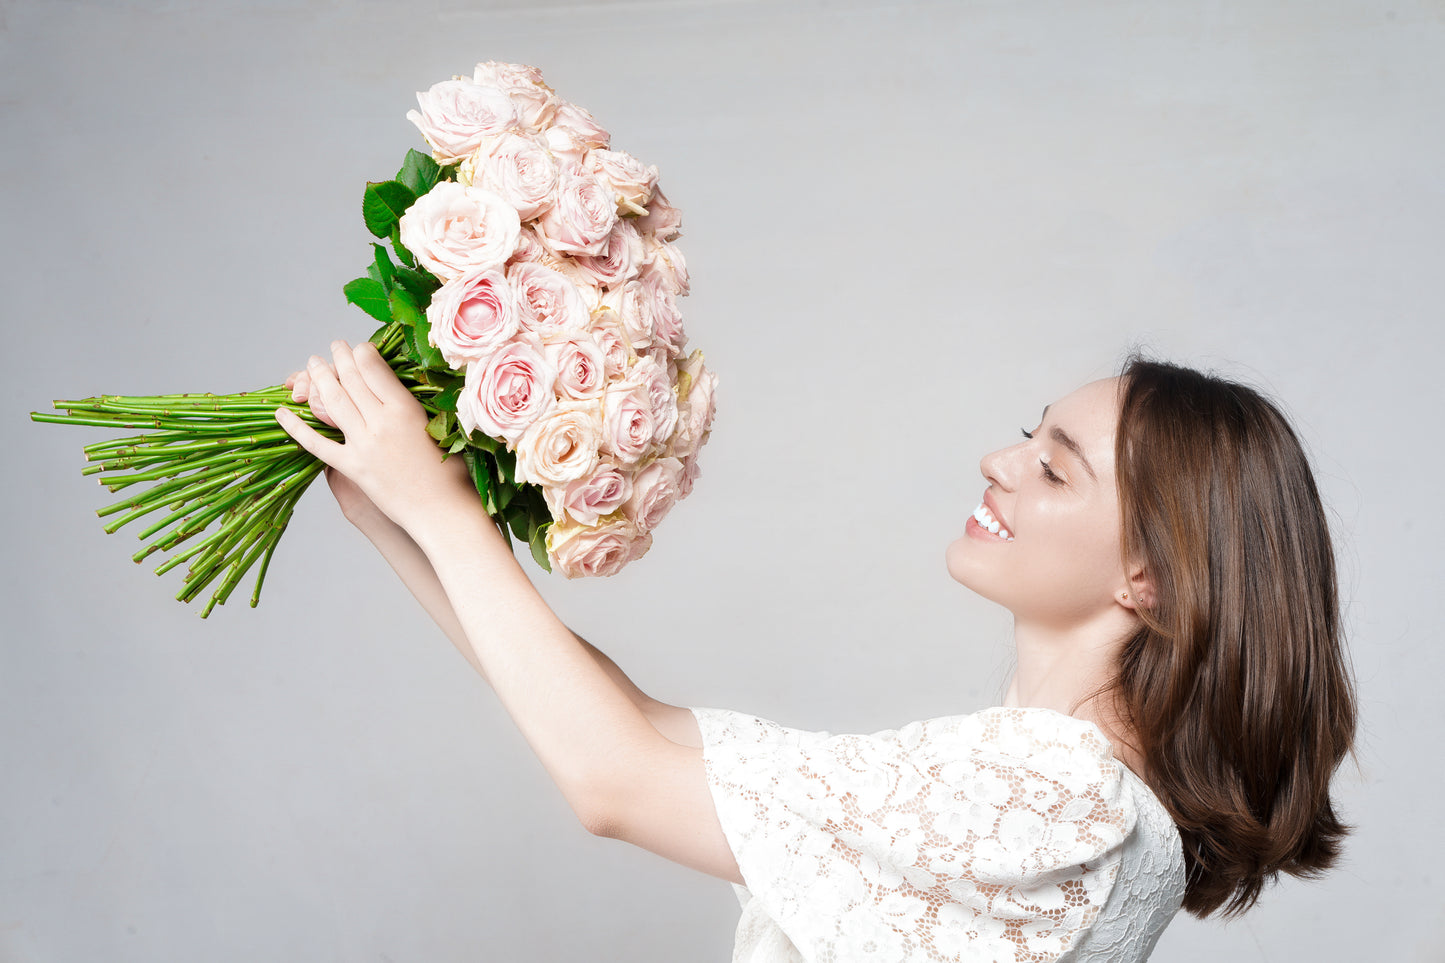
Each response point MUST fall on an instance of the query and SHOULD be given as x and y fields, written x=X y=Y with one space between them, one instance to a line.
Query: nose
x=1000 y=467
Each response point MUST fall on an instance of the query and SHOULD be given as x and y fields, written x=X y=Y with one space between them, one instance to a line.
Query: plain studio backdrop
x=910 y=226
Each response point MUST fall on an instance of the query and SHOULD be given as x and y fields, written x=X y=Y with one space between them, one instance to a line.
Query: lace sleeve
x=992 y=836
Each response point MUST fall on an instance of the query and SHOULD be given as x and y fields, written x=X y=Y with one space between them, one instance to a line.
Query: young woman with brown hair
x=1180 y=703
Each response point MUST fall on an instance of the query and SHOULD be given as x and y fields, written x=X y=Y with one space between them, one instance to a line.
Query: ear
x=1140 y=590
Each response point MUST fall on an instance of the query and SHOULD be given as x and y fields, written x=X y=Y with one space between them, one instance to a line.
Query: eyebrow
x=1062 y=437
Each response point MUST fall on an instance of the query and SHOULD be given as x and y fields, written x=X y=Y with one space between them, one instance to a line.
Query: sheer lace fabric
x=1006 y=834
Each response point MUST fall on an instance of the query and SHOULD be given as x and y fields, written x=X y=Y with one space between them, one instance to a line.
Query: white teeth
x=986 y=520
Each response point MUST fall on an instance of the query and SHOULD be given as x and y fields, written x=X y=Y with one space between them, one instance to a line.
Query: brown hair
x=1235 y=685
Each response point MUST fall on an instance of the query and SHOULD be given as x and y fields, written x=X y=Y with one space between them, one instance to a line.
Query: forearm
x=412 y=566
x=580 y=719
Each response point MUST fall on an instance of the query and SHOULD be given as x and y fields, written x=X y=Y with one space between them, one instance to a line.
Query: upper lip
x=993 y=510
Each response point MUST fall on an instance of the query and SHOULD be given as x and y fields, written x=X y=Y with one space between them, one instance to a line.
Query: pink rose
x=452 y=229
x=547 y=303
x=580 y=218
x=654 y=492
x=666 y=260
x=627 y=427
x=666 y=318
x=580 y=365
x=471 y=316
x=530 y=248
x=606 y=329
x=504 y=396
x=574 y=132
x=690 y=471
x=662 y=220
x=632 y=183
x=658 y=381
x=561 y=445
x=587 y=499
x=517 y=168
x=536 y=103
x=457 y=114
x=620 y=259
x=584 y=550
x=633 y=305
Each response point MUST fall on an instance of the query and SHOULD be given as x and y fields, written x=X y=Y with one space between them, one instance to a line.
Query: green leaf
x=404 y=307
x=486 y=442
x=383 y=266
x=506 y=465
x=517 y=518
x=481 y=477
x=426 y=353
x=402 y=254
x=369 y=296
x=457 y=445
x=539 y=546
x=419 y=172
x=418 y=282
x=446 y=399
x=383 y=204
x=438 y=426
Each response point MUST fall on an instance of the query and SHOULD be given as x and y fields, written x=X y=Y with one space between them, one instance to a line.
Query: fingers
x=333 y=396
x=384 y=383
x=308 y=437
x=351 y=379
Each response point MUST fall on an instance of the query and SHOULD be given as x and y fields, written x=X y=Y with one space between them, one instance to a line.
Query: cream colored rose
x=457 y=114
x=697 y=406
x=581 y=216
x=607 y=330
x=584 y=550
x=655 y=490
x=471 y=316
x=632 y=304
x=587 y=499
x=452 y=229
x=561 y=446
x=632 y=182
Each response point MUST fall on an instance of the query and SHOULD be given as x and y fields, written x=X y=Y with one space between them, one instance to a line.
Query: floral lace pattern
x=1006 y=834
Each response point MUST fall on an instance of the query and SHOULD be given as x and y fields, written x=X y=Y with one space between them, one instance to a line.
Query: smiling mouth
x=989 y=524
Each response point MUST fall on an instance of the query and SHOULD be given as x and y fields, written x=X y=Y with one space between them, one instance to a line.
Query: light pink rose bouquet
x=559 y=311
x=529 y=302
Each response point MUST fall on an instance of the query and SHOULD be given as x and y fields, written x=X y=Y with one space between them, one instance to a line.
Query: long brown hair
x=1235 y=685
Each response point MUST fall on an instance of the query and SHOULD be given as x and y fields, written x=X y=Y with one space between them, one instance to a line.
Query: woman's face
x=1060 y=564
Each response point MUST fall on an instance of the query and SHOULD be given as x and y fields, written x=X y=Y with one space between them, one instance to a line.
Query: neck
x=1063 y=668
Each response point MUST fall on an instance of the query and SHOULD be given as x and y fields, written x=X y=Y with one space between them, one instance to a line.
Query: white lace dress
x=1006 y=834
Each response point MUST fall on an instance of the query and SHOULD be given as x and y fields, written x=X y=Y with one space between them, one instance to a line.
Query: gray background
x=910 y=226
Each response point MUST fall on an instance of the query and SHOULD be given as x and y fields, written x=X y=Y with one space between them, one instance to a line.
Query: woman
x=1180 y=703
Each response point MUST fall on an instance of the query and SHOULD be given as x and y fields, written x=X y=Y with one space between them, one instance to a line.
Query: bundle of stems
x=213 y=459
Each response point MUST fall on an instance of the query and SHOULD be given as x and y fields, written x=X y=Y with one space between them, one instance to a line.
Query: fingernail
x=313 y=361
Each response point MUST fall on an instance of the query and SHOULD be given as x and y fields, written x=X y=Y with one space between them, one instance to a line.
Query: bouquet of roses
x=529 y=301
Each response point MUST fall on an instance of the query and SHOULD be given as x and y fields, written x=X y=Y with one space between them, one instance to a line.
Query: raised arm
x=617 y=772
x=411 y=565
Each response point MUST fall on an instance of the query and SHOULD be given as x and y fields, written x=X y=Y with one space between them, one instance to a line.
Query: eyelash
x=1053 y=479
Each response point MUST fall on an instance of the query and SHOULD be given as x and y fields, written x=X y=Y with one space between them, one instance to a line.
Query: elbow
x=597 y=819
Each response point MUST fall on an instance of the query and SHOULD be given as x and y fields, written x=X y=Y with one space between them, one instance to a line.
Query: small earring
x=1126 y=595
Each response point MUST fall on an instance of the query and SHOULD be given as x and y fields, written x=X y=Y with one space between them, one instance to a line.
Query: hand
x=386 y=453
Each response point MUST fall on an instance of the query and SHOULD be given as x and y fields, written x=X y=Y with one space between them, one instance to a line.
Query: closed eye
x=1049 y=474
